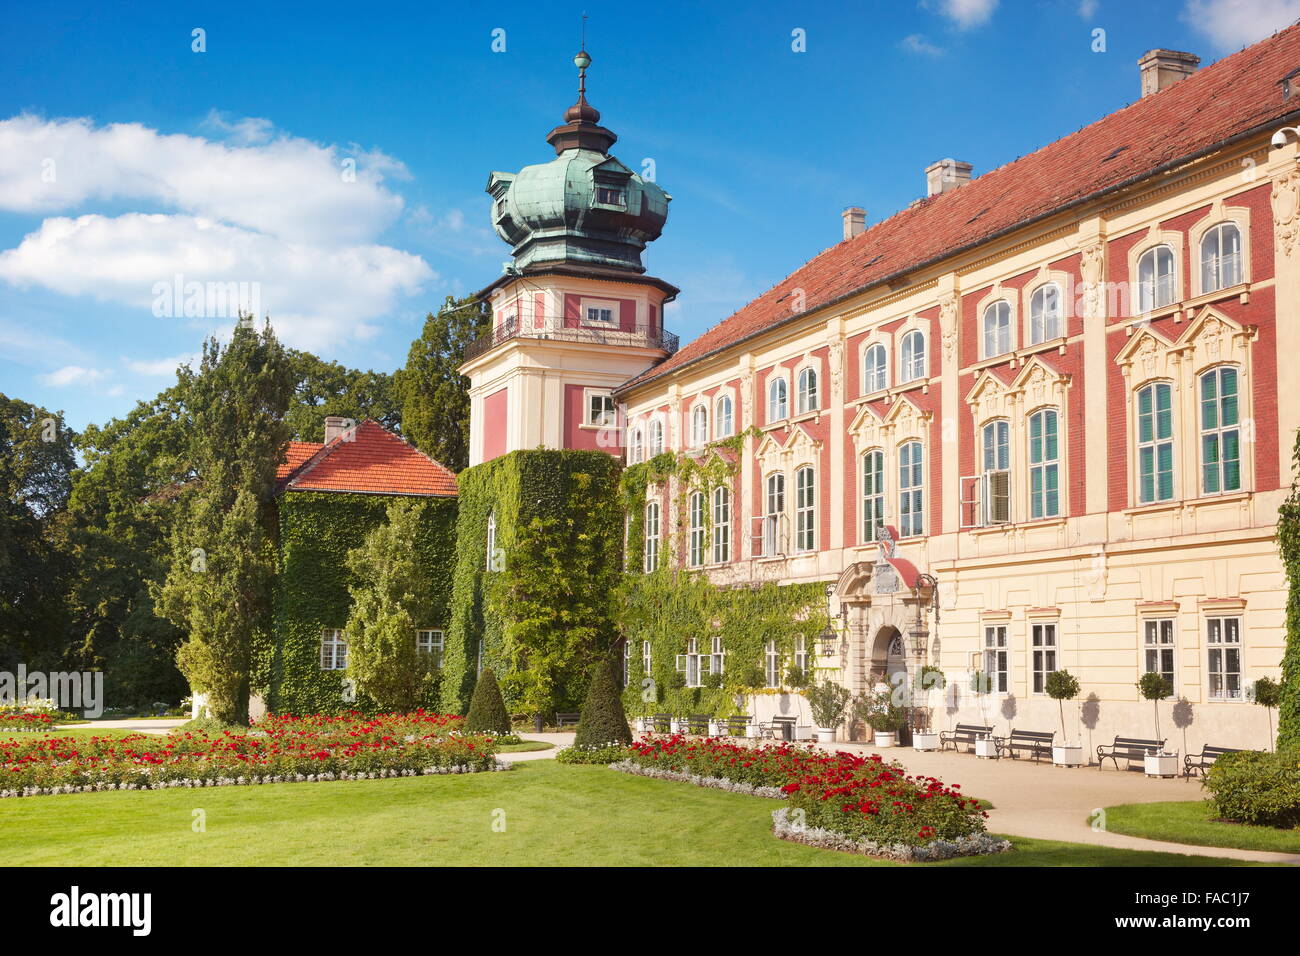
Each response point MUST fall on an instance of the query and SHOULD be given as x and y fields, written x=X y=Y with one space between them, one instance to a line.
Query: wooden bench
x=663 y=723
x=1201 y=762
x=1036 y=742
x=566 y=720
x=738 y=725
x=1128 y=749
x=963 y=734
x=698 y=724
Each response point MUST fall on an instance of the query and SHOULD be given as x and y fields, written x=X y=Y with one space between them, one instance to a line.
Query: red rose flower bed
x=771 y=765
x=276 y=749
x=24 y=721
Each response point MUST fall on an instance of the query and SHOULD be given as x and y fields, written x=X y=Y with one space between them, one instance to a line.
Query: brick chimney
x=946 y=175
x=855 y=221
x=336 y=425
x=1162 y=68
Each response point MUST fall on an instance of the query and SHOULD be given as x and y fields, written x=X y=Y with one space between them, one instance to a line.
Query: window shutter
x=681 y=663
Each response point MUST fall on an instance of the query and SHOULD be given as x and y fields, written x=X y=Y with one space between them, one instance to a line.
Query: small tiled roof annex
x=367 y=459
x=1238 y=96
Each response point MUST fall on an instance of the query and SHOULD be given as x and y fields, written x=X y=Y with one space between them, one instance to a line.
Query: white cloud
x=160 y=368
x=72 y=375
x=1231 y=24
x=1088 y=8
x=917 y=43
x=965 y=14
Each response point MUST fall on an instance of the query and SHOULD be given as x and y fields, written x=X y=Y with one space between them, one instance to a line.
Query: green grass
x=1193 y=822
x=553 y=815
x=526 y=747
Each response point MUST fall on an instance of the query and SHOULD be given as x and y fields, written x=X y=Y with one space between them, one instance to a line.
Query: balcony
x=642 y=336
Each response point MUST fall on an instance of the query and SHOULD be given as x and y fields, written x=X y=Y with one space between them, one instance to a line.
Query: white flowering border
x=717 y=783
x=977 y=844
x=249 y=781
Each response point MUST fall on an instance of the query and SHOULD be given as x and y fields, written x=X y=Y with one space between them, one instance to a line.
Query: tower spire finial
x=582 y=61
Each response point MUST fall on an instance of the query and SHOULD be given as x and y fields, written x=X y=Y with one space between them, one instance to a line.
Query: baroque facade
x=1035 y=421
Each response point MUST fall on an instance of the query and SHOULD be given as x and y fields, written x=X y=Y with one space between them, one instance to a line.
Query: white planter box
x=885 y=739
x=803 y=733
x=825 y=735
x=1162 y=765
x=717 y=728
x=752 y=730
x=925 y=740
x=1067 y=755
x=679 y=725
x=986 y=747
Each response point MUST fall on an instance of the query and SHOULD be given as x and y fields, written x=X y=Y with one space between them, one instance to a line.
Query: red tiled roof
x=365 y=460
x=1236 y=96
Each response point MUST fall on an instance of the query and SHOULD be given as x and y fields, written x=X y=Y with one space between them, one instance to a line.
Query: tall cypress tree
x=218 y=585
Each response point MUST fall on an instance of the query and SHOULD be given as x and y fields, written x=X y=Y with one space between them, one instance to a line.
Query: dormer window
x=599 y=312
x=610 y=196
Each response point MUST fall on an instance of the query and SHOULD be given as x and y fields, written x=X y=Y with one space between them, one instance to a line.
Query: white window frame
x=1040 y=501
x=724 y=422
x=996 y=340
x=721 y=525
x=647 y=660
x=602 y=305
x=699 y=425
x=1160 y=639
x=771 y=664
x=911 y=490
x=875 y=375
x=801 y=654
x=650 y=548
x=1154 y=444
x=654 y=439
x=1221 y=267
x=695 y=545
x=773 y=513
x=689 y=663
x=805 y=492
x=1218 y=648
x=1160 y=289
x=627 y=662
x=1219 y=432
x=995 y=457
x=431 y=640
x=491 y=541
x=589 y=395
x=333 y=649
x=806 y=397
x=997 y=658
x=873 y=492
x=1044 y=652
x=1039 y=315
x=912 y=365
x=778 y=406
x=718 y=657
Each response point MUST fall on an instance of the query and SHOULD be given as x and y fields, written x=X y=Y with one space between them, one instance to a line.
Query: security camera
x=1279 y=138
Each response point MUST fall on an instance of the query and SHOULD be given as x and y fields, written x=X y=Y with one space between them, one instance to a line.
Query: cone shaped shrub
x=602 y=720
x=487 y=711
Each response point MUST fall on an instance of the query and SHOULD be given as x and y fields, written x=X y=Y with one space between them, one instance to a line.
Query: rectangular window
x=721 y=525
x=805 y=510
x=1044 y=639
x=996 y=658
x=651 y=536
x=608 y=196
x=1223 y=638
x=1158 y=649
x=1220 y=435
x=645 y=658
x=773 y=536
x=430 y=642
x=1044 y=465
x=696 y=505
x=600 y=409
x=690 y=663
x=911 y=507
x=801 y=654
x=333 y=650
x=717 y=655
x=772 y=665
x=873 y=494
x=1155 y=443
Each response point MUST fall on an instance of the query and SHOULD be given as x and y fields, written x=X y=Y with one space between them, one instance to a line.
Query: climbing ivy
x=316 y=532
x=1288 y=536
x=542 y=603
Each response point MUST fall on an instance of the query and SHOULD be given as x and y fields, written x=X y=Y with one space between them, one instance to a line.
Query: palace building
x=1031 y=422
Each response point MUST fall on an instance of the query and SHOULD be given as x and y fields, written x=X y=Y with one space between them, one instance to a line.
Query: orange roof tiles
x=366 y=460
x=1237 y=96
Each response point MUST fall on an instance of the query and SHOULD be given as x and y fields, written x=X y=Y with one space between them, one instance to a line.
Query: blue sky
x=127 y=159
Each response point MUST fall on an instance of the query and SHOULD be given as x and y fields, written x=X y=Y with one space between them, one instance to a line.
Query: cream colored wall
x=1096 y=567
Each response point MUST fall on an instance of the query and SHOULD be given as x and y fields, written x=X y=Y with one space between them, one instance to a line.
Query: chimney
x=336 y=425
x=855 y=221
x=1162 y=68
x=946 y=175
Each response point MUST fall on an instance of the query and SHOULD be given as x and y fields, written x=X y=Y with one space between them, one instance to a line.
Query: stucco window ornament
x=1091 y=268
x=1286 y=212
x=948 y=324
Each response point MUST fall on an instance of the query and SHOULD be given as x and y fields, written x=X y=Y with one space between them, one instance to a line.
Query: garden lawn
x=553 y=814
x=1193 y=822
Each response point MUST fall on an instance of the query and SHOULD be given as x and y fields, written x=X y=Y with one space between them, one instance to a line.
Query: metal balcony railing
x=641 y=336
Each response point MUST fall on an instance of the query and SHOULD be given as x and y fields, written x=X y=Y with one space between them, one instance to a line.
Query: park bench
x=1128 y=749
x=963 y=734
x=738 y=725
x=1036 y=742
x=1201 y=762
x=566 y=720
x=698 y=724
x=663 y=723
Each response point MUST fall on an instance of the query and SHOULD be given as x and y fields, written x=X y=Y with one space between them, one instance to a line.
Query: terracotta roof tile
x=1237 y=95
x=365 y=460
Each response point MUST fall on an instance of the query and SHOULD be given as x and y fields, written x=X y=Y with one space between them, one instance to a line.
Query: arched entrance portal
x=888 y=656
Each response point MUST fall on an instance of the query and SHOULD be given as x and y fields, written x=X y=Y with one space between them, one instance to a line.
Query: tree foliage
x=218 y=583
x=487 y=711
x=433 y=394
x=1288 y=537
x=390 y=598
x=324 y=388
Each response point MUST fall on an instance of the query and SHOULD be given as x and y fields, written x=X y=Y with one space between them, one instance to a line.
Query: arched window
x=911 y=489
x=656 y=438
x=1155 y=443
x=651 y=555
x=721 y=525
x=723 y=422
x=875 y=374
x=997 y=329
x=805 y=503
x=1156 y=280
x=806 y=396
x=996 y=480
x=777 y=408
x=1045 y=314
x=635 y=447
x=913 y=361
x=773 y=513
x=1044 y=465
x=699 y=426
x=1220 y=431
x=873 y=494
x=695 y=507
x=1221 y=257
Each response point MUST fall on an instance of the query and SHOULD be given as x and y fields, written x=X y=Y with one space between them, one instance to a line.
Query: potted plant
x=1062 y=686
x=981 y=685
x=932 y=679
x=885 y=717
x=1268 y=694
x=1154 y=687
x=828 y=701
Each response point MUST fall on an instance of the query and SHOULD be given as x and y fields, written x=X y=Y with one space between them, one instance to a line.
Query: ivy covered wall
x=542 y=603
x=316 y=532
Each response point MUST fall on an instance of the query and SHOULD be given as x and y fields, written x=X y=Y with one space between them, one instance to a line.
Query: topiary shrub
x=602 y=721
x=487 y=711
x=1256 y=787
